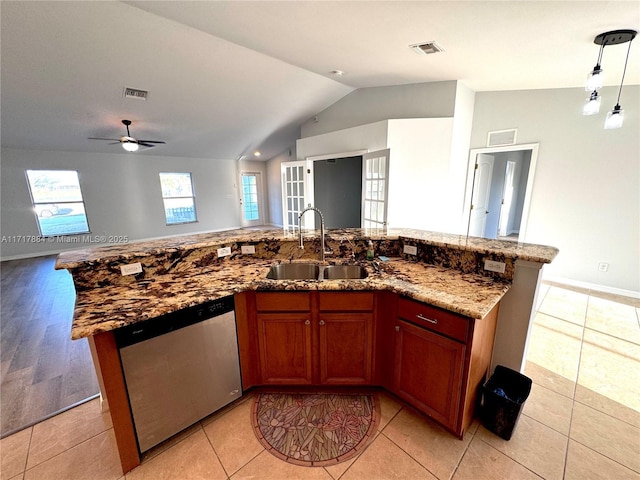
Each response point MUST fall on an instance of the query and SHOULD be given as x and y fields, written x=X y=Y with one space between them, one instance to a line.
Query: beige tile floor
x=581 y=421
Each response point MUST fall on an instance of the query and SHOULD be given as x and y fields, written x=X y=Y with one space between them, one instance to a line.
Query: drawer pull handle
x=307 y=322
x=430 y=320
x=321 y=322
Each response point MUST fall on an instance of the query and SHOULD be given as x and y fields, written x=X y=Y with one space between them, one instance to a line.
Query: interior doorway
x=500 y=182
x=338 y=191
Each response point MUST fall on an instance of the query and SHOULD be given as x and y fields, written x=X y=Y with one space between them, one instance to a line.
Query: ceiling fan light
x=130 y=146
x=614 y=118
x=592 y=104
x=595 y=79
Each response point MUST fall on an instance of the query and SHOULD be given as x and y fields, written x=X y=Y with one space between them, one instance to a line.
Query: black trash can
x=503 y=397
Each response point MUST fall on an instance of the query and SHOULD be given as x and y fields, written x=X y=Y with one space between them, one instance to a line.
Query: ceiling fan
x=129 y=143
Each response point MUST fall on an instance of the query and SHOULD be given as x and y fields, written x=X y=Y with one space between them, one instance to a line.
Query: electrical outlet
x=223 y=252
x=603 y=267
x=410 y=249
x=494 y=266
x=248 y=249
x=131 y=269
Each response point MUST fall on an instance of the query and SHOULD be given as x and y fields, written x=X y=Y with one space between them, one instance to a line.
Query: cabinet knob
x=321 y=322
x=307 y=322
x=397 y=328
x=430 y=320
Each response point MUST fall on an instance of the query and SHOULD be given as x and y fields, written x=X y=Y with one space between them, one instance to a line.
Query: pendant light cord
x=623 y=72
x=600 y=53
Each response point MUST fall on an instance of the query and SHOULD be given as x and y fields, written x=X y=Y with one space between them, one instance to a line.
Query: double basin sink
x=310 y=271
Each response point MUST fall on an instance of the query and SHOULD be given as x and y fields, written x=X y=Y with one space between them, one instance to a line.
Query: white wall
x=372 y=136
x=275 y=185
x=460 y=142
x=586 y=192
x=370 y=105
x=420 y=187
x=122 y=196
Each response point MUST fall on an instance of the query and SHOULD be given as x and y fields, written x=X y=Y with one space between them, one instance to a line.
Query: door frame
x=473 y=153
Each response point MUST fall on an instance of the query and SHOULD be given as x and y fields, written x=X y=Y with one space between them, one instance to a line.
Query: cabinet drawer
x=435 y=319
x=346 y=301
x=283 y=301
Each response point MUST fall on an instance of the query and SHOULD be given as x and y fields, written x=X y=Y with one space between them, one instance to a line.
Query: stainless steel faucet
x=322 y=247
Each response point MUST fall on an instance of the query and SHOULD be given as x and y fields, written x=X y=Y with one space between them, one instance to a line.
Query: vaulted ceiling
x=228 y=77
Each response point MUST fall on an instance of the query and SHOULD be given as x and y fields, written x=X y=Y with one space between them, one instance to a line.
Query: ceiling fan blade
x=151 y=141
x=144 y=144
x=112 y=139
x=115 y=143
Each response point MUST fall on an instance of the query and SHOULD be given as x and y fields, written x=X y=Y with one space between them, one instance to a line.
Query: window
x=57 y=202
x=178 y=198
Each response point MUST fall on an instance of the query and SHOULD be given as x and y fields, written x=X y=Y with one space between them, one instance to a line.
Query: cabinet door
x=429 y=371
x=346 y=345
x=284 y=342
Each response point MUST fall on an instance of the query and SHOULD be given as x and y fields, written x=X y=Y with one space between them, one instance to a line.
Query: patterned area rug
x=315 y=429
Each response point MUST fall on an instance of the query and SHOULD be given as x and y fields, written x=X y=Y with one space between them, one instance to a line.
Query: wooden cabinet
x=346 y=337
x=284 y=337
x=315 y=337
x=440 y=361
x=429 y=371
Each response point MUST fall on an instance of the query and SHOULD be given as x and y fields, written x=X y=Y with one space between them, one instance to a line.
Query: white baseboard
x=592 y=286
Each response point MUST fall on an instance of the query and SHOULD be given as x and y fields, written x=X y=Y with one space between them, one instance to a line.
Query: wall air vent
x=426 y=48
x=135 y=93
x=502 y=137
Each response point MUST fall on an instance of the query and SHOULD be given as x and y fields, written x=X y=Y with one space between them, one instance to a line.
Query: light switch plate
x=248 y=249
x=223 y=252
x=494 y=266
x=411 y=249
x=131 y=269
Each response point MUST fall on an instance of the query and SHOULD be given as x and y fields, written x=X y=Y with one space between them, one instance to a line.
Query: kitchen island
x=445 y=279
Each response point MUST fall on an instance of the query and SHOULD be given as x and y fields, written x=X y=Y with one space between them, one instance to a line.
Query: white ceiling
x=228 y=77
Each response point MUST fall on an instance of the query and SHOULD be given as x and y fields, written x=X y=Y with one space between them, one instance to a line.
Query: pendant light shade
x=592 y=104
x=614 y=118
x=595 y=79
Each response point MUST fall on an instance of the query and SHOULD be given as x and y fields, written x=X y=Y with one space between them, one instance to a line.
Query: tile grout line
x=378 y=433
x=64 y=451
x=575 y=388
x=512 y=459
x=218 y=456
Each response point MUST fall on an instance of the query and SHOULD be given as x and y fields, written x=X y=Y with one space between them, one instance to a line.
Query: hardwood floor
x=42 y=370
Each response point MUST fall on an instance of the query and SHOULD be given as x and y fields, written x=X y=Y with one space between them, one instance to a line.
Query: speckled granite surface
x=108 y=308
x=524 y=251
x=447 y=271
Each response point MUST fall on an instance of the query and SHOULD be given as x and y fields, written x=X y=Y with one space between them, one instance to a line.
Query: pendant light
x=592 y=105
x=595 y=79
x=616 y=116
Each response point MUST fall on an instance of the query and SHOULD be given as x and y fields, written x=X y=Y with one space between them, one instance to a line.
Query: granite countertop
x=80 y=257
x=108 y=308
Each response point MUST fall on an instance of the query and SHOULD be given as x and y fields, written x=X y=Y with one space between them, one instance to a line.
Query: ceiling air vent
x=502 y=137
x=426 y=48
x=135 y=93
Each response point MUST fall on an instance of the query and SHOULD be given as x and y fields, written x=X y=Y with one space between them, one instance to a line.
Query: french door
x=294 y=192
x=375 y=189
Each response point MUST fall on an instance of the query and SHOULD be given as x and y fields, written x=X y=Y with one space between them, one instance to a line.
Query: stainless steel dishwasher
x=179 y=368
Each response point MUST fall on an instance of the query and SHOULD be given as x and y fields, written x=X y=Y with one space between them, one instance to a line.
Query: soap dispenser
x=370 y=253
